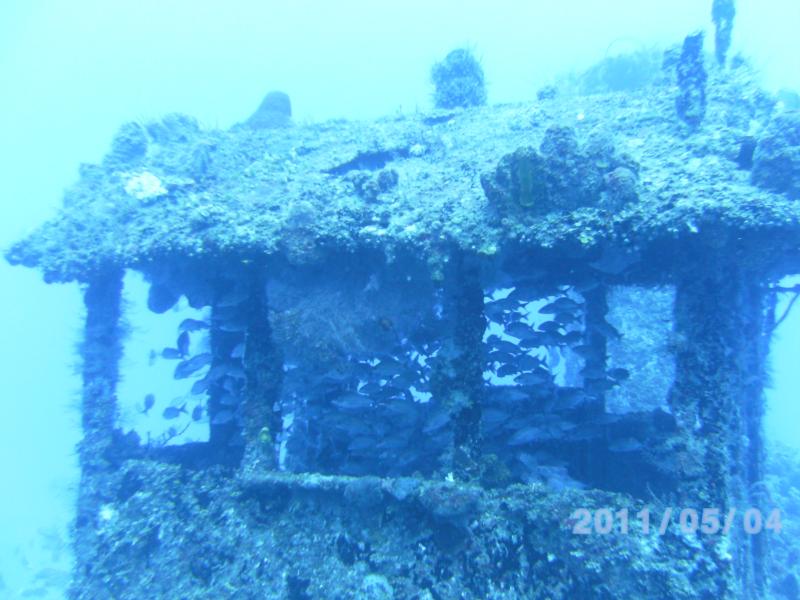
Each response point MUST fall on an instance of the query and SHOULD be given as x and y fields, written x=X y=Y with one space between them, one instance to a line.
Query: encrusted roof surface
x=410 y=181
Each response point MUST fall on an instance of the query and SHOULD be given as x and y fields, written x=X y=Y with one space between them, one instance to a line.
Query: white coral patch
x=145 y=186
x=107 y=513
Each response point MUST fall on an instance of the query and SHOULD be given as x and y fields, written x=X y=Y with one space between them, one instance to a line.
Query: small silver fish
x=170 y=353
x=507 y=369
x=200 y=386
x=619 y=374
x=183 y=344
x=173 y=412
x=190 y=325
x=437 y=421
x=549 y=327
x=353 y=402
x=527 y=362
x=223 y=417
x=521 y=331
x=536 y=378
x=625 y=445
x=149 y=401
x=526 y=436
x=560 y=305
x=228 y=399
x=192 y=365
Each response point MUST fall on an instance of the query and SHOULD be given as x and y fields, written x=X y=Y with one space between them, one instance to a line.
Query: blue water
x=73 y=71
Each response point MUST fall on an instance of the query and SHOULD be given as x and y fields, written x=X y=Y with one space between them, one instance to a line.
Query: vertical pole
x=458 y=378
x=101 y=351
x=263 y=367
x=718 y=404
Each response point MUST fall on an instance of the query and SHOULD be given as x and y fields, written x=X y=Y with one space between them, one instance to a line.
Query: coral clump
x=129 y=144
x=275 y=111
x=459 y=81
x=691 y=101
x=562 y=175
x=776 y=159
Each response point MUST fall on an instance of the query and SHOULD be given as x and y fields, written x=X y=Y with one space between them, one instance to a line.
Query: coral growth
x=691 y=100
x=274 y=111
x=776 y=159
x=459 y=81
x=722 y=13
x=562 y=175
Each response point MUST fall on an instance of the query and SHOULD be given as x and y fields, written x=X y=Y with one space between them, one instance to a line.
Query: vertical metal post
x=263 y=366
x=457 y=380
x=101 y=351
x=718 y=404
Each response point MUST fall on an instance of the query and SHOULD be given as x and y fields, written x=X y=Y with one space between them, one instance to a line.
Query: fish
x=222 y=417
x=401 y=407
x=585 y=283
x=200 y=386
x=560 y=305
x=625 y=445
x=538 y=339
x=493 y=416
x=183 y=344
x=529 y=460
x=600 y=384
x=558 y=479
x=619 y=374
x=526 y=436
x=234 y=372
x=505 y=346
x=506 y=370
x=170 y=354
x=572 y=337
x=238 y=350
x=500 y=357
x=569 y=398
x=586 y=350
x=614 y=262
x=160 y=298
x=232 y=326
x=535 y=378
x=549 y=327
x=197 y=413
x=173 y=412
x=149 y=401
x=528 y=362
x=353 y=402
x=231 y=385
x=520 y=330
x=525 y=292
x=496 y=311
x=232 y=298
x=361 y=443
x=395 y=442
x=605 y=329
x=593 y=372
x=369 y=388
x=228 y=399
x=437 y=421
x=191 y=325
x=512 y=395
x=187 y=367
x=566 y=318
x=387 y=369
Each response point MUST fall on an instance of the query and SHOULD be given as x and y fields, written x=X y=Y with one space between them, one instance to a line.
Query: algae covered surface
x=482 y=179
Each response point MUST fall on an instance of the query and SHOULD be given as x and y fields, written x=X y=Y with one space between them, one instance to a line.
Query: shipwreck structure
x=430 y=340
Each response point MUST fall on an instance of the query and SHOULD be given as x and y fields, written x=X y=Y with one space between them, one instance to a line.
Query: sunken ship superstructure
x=430 y=340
